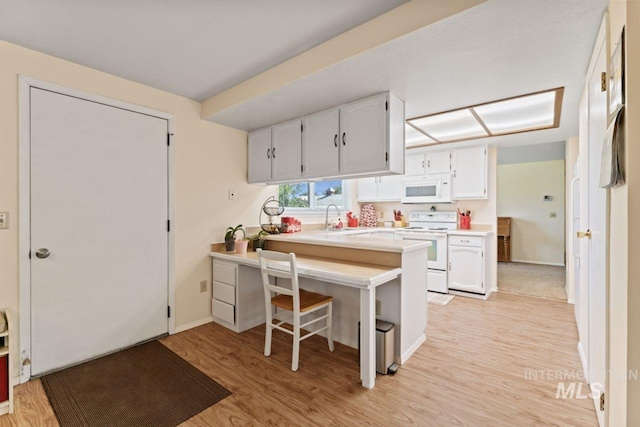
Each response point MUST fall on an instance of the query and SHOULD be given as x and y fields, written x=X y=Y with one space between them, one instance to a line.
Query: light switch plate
x=203 y=286
x=4 y=220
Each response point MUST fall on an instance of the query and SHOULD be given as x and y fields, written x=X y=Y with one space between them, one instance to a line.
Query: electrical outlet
x=203 y=286
x=232 y=194
x=381 y=214
x=378 y=307
x=4 y=219
x=553 y=215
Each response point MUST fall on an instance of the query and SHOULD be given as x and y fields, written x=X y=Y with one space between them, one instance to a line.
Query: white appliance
x=427 y=190
x=432 y=227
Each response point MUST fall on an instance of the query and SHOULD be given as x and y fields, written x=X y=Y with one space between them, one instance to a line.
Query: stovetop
x=432 y=221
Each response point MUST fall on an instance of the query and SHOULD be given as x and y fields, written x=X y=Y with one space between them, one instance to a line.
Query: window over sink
x=309 y=196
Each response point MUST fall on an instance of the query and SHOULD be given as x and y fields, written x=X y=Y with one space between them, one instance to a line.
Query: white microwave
x=427 y=190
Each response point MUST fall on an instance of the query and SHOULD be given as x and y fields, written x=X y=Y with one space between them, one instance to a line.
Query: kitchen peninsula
x=357 y=271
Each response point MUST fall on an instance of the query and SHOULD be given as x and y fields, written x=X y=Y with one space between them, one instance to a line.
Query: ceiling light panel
x=415 y=137
x=519 y=114
x=451 y=126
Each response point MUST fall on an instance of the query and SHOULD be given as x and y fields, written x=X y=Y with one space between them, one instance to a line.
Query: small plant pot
x=257 y=244
x=230 y=245
x=241 y=246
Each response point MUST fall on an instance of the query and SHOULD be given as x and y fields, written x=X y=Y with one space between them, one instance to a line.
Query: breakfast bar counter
x=357 y=271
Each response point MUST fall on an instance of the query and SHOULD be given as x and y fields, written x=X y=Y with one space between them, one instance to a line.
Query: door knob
x=583 y=234
x=43 y=253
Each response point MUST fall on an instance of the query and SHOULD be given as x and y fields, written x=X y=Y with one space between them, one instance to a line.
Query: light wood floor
x=471 y=372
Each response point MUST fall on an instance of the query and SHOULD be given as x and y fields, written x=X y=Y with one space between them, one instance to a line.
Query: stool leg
x=269 y=331
x=330 y=326
x=296 y=342
x=267 y=340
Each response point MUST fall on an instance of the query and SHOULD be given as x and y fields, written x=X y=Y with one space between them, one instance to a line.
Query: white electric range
x=432 y=227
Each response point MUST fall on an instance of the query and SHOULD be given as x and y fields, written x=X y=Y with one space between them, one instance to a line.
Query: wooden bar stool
x=295 y=300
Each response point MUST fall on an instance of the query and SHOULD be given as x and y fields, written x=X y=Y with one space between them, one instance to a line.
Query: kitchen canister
x=465 y=222
x=368 y=216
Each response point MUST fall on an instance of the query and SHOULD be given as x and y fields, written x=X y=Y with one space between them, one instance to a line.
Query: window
x=314 y=195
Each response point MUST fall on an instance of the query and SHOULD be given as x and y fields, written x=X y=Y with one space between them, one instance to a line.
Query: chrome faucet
x=326 y=216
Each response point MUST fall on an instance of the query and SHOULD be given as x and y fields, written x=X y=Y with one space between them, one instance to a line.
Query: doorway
x=531 y=198
x=96 y=246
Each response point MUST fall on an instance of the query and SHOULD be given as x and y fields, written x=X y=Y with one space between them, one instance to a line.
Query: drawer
x=225 y=273
x=474 y=241
x=223 y=311
x=224 y=293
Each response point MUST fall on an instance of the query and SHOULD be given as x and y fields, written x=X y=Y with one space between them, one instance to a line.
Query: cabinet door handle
x=454 y=173
x=273 y=152
x=429 y=164
x=449 y=265
x=335 y=140
x=344 y=136
x=423 y=164
x=268 y=153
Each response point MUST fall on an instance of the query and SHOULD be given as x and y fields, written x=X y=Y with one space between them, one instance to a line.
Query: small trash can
x=385 y=347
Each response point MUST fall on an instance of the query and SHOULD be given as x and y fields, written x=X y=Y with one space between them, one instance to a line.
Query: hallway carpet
x=543 y=281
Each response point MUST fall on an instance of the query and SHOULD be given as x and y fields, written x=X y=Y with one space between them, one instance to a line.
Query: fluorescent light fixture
x=413 y=137
x=525 y=113
x=452 y=126
x=528 y=112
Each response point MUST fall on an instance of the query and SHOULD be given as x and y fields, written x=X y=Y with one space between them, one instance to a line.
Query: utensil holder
x=465 y=223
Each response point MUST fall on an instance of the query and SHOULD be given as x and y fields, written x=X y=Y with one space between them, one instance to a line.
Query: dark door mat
x=147 y=385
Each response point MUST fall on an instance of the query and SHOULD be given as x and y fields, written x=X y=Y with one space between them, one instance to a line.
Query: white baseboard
x=557 y=264
x=194 y=324
x=407 y=354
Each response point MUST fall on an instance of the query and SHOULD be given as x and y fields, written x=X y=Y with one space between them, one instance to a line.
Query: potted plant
x=257 y=240
x=230 y=237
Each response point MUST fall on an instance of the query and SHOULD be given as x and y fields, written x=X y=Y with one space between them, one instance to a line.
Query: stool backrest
x=283 y=266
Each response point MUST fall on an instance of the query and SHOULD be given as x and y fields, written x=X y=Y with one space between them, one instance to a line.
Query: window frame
x=313 y=210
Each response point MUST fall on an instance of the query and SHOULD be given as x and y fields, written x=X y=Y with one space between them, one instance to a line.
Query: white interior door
x=99 y=205
x=594 y=251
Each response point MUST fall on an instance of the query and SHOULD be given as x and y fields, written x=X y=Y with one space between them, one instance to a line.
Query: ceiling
x=496 y=50
x=198 y=48
x=193 y=48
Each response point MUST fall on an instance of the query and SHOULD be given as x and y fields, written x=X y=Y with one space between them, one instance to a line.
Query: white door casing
x=594 y=213
x=101 y=192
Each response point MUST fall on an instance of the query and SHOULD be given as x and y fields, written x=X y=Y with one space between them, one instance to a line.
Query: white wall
x=535 y=237
x=209 y=159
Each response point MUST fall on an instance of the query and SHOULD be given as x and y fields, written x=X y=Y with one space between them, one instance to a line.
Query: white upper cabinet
x=363 y=139
x=259 y=165
x=286 y=151
x=438 y=162
x=415 y=163
x=427 y=163
x=380 y=189
x=390 y=188
x=368 y=189
x=320 y=149
x=470 y=173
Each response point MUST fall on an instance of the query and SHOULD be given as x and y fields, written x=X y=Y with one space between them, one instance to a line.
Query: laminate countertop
x=342 y=272
x=353 y=239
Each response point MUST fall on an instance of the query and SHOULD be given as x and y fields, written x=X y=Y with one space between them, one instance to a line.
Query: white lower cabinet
x=467 y=267
x=238 y=296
